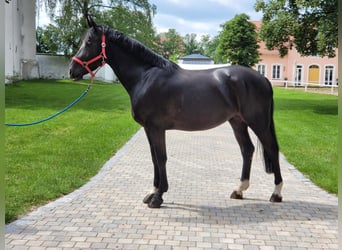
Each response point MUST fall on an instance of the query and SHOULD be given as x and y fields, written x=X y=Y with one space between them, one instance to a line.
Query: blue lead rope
x=54 y=115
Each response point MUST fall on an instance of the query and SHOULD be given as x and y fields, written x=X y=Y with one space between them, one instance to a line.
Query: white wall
x=105 y=74
x=53 y=67
x=12 y=38
x=20 y=40
x=201 y=66
x=57 y=67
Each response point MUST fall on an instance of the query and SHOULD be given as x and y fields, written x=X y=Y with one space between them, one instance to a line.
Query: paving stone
x=197 y=213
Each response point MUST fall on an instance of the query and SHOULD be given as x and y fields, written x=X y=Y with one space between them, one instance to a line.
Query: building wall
x=291 y=62
x=12 y=38
x=105 y=74
x=57 y=67
x=20 y=48
x=201 y=66
x=53 y=67
x=20 y=40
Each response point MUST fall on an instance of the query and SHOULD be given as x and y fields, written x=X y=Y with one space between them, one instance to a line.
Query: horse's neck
x=127 y=68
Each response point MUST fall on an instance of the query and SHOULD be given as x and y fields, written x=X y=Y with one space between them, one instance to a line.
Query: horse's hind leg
x=247 y=150
x=271 y=158
x=269 y=142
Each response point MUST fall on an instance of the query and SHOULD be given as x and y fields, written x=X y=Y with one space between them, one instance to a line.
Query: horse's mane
x=140 y=50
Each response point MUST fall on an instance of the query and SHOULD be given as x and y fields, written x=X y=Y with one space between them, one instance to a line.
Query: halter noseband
x=102 y=56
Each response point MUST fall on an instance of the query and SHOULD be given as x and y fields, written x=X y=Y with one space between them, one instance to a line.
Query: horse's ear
x=90 y=21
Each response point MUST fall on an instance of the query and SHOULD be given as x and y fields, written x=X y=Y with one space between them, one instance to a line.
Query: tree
x=132 y=22
x=169 y=44
x=42 y=45
x=311 y=26
x=133 y=17
x=190 y=44
x=208 y=46
x=238 y=43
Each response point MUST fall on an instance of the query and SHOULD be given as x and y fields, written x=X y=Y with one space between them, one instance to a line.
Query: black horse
x=164 y=96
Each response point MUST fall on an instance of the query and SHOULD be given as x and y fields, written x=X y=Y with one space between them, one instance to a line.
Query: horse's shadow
x=259 y=211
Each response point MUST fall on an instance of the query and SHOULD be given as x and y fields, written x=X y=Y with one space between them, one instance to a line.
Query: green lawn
x=307 y=126
x=51 y=159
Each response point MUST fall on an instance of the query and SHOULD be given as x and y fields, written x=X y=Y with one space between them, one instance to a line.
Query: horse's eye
x=88 y=42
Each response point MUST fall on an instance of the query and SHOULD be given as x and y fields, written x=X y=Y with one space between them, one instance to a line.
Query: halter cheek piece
x=102 y=56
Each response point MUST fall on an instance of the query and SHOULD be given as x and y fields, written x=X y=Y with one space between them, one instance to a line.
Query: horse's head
x=92 y=53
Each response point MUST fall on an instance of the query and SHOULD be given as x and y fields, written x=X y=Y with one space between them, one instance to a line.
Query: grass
x=51 y=159
x=307 y=126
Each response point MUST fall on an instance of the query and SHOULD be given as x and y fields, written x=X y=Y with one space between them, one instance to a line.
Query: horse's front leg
x=156 y=139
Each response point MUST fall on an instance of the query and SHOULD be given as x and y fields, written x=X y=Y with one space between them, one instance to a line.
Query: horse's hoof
x=276 y=198
x=236 y=195
x=148 y=198
x=155 y=202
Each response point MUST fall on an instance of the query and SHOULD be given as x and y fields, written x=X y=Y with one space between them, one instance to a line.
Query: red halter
x=102 y=56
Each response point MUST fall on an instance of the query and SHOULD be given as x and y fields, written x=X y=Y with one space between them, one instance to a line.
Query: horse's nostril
x=72 y=74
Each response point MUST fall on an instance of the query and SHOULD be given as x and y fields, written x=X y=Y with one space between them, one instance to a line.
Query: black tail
x=269 y=168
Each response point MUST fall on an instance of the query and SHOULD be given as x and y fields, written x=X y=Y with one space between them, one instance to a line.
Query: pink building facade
x=296 y=70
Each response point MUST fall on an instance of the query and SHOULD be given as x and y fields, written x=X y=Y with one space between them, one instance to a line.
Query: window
x=276 y=71
x=261 y=68
x=329 y=75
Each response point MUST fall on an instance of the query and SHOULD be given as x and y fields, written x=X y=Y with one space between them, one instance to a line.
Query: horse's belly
x=199 y=112
x=197 y=126
x=192 y=121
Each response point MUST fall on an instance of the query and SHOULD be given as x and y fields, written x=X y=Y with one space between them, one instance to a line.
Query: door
x=314 y=74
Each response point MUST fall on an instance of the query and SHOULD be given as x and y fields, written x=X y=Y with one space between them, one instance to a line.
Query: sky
x=200 y=16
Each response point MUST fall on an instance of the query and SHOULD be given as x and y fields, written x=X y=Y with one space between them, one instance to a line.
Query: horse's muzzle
x=75 y=77
x=76 y=72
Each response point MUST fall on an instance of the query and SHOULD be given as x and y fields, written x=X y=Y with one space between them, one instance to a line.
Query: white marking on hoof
x=154 y=190
x=243 y=186
x=278 y=188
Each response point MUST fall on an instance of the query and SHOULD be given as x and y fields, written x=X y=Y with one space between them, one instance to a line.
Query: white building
x=197 y=61
x=20 y=40
x=20 y=46
x=195 y=58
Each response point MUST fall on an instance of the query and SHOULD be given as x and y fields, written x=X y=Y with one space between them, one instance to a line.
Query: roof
x=195 y=56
